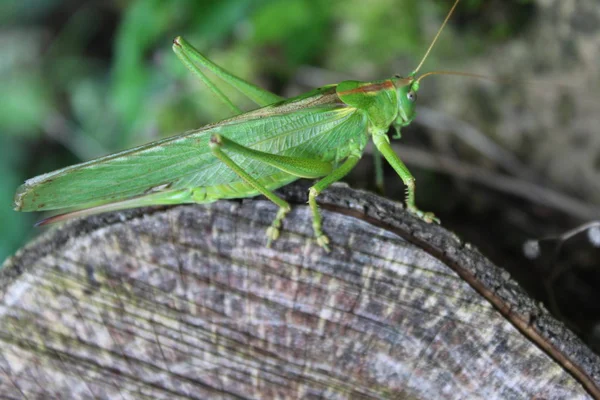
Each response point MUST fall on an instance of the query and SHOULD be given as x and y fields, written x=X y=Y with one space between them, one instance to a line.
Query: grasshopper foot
x=428 y=217
x=323 y=241
x=272 y=234
x=273 y=230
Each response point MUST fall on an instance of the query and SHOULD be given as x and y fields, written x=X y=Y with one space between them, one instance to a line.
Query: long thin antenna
x=469 y=74
x=435 y=38
x=533 y=83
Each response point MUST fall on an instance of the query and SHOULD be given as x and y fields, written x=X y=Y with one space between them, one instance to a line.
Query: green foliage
x=299 y=27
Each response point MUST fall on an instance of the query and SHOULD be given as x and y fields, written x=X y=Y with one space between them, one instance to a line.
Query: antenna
x=533 y=83
x=435 y=38
x=469 y=74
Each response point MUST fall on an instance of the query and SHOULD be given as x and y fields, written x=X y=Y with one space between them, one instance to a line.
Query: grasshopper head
x=406 y=89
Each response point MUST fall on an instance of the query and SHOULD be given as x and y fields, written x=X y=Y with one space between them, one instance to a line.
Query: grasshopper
x=317 y=135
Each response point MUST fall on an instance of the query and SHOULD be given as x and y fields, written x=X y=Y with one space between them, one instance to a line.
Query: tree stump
x=187 y=302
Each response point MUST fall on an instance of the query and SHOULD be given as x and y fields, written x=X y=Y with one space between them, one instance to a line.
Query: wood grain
x=187 y=302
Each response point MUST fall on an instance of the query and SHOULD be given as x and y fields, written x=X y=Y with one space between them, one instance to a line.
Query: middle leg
x=321 y=185
x=295 y=166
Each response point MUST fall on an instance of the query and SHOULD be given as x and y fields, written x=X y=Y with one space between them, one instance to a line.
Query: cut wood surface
x=187 y=302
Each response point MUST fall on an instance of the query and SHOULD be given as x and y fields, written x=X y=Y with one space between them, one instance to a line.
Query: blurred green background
x=81 y=79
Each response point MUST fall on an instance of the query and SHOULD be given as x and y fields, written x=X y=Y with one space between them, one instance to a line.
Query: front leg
x=382 y=142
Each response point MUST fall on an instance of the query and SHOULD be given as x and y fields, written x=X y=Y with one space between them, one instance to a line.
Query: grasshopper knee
x=215 y=141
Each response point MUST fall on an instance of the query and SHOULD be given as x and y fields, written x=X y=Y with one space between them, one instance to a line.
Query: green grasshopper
x=320 y=134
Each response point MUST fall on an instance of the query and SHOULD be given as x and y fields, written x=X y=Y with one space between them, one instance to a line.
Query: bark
x=187 y=302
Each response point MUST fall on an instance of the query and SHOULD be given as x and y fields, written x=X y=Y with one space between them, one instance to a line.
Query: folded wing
x=182 y=161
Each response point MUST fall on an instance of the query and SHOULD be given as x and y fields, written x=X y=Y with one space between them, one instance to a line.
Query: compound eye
x=411 y=96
